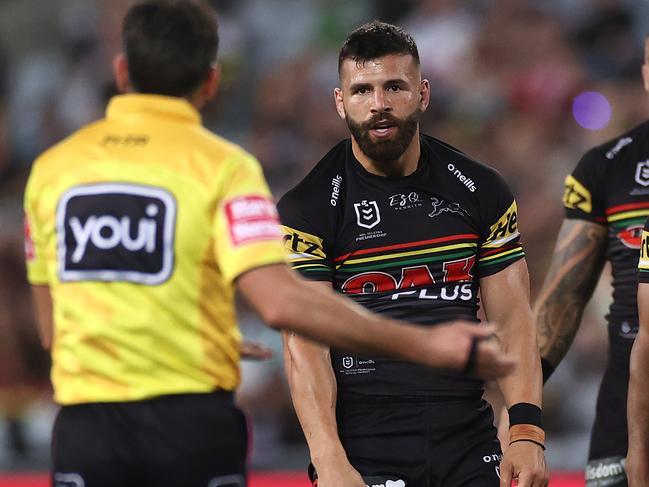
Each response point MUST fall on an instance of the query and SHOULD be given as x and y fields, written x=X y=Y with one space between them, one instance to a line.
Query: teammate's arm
x=506 y=300
x=314 y=391
x=575 y=269
x=43 y=305
x=637 y=462
x=285 y=301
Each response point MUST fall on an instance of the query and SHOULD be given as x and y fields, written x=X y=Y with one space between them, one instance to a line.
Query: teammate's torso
x=611 y=186
x=127 y=238
x=409 y=247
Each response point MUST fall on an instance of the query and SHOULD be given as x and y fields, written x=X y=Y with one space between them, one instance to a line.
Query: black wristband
x=473 y=355
x=547 y=369
x=525 y=413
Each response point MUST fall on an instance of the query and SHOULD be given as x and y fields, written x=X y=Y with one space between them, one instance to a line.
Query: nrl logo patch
x=642 y=173
x=367 y=214
x=441 y=206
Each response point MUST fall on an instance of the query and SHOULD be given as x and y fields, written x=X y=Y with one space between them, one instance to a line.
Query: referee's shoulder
x=220 y=147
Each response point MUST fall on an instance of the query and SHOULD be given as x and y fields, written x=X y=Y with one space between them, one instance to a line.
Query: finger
x=525 y=479
x=505 y=475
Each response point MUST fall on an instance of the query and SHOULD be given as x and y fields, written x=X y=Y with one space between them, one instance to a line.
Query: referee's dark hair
x=170 y=46
x=377 y=39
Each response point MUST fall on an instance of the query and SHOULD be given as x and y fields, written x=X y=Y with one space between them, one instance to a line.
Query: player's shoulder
x=322 y=186
x=622 y=148
x=458 y=165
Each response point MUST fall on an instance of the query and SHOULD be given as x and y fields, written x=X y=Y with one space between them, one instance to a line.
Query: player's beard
x=389 y=150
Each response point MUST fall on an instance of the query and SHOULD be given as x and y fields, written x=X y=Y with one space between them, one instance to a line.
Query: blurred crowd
x=504 y=75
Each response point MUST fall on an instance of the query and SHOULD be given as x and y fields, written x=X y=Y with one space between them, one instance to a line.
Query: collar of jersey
x=153 y=105
x=416 y=175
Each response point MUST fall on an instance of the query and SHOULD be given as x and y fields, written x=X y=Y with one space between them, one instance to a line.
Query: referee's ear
x=210 y=86
x=120 y=71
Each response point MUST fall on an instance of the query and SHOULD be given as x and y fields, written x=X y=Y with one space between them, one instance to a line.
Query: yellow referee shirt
x=140 y=223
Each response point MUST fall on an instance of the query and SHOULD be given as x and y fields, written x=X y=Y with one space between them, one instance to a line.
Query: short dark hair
x=170 y=46
x=377 y=39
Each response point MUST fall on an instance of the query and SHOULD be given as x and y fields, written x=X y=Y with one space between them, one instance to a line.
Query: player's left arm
x=43 y=305
x=637 y=462
x=506 y=300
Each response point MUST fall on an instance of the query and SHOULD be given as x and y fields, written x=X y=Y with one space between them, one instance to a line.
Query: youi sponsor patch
x=116 y=232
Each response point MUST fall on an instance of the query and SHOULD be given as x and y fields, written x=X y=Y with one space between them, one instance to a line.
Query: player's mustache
x=381 y=117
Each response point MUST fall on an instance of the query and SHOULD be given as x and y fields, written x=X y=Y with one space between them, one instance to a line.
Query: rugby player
x=139 y=227
x=606 y=203
x=637 y=464
x=410 y=228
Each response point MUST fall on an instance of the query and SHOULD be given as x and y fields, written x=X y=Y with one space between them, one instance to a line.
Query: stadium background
x=525 y=86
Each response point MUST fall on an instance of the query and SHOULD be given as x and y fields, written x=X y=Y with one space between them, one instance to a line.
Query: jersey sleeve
x=643 y=262
x=305 y=239
x=581 y=198
x=35 y=240
x=500 y=240
x=246 y=228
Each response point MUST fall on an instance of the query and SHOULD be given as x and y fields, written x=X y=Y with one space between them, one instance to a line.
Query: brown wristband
x=527 y=432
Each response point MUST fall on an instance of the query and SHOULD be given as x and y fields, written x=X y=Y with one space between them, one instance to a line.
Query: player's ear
x=120 y=71
x=338 y=99
x=424 y=95
x=645 y=76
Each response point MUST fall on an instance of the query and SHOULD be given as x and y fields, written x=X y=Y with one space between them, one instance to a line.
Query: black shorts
x=185 y=440
x=609 y=438
x=449 y=443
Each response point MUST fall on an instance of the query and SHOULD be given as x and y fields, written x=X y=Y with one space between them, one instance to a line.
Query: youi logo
x=116 y=232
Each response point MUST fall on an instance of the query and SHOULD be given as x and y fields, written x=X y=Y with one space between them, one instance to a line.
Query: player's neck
x=404 y=166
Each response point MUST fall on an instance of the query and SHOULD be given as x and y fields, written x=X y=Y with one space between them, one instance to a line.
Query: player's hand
x=525 y=462
x=454 y=343
x=255 y=351
x=338 y=473
x=637 y=469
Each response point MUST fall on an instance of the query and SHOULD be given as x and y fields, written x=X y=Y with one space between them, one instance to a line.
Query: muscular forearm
x=574 y=272
x=313 y=390
x=638 y=401
x=525 y=383
x=291 y=303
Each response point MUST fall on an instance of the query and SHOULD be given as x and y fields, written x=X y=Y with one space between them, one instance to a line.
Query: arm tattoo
x=576 y=266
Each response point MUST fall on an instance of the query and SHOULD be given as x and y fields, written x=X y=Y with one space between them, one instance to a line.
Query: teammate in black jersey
x=411 y=228
x=637 y=465
x=607 y=201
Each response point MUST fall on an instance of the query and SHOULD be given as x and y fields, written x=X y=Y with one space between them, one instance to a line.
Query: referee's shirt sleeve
x=245 y=230
x=35 y=238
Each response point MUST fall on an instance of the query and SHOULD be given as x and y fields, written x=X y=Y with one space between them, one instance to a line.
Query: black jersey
x=412 y=248
x=610 y=186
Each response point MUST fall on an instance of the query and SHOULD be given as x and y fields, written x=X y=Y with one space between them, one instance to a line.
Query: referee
x=139 y=227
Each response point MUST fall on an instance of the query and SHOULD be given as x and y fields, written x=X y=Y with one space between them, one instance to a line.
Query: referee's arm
x=637 y=464
x=43 y=306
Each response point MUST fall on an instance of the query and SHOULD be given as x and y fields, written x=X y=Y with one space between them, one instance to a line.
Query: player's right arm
x=314 y=392
x=575 y=269
x=637 y=463
x=577 y=262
